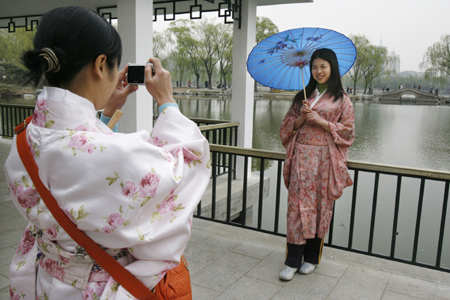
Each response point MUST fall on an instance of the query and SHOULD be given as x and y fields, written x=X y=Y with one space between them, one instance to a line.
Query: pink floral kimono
x=133 y=194
x=315 y=171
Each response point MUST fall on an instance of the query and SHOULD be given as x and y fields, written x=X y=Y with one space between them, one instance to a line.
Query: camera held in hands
x=136 y=73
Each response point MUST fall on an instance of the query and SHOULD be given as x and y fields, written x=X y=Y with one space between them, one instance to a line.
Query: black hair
x=77 y=36
x=334 y=88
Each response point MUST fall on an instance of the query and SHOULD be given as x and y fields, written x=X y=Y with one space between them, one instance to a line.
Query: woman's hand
x=314 y=118
x=160 y=84
x=120 y=94
x=303 y=111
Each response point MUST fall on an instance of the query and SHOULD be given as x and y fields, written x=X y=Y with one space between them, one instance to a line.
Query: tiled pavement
x=226 y=262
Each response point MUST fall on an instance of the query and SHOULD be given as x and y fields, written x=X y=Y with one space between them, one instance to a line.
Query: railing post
x=397 y=205
x=418 y=219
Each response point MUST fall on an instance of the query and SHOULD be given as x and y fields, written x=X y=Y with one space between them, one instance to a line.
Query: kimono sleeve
x=343 y=130
x=287 y=132
x=164 y=227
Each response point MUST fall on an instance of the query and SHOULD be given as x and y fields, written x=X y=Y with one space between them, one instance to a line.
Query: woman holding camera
x=132 y=194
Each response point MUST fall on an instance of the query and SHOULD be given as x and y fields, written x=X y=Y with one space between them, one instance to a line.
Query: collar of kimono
x=319 y=94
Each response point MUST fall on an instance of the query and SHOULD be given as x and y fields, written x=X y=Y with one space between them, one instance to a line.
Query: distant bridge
x=395 y=97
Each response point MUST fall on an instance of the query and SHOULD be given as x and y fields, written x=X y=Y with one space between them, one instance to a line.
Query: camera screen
x=136 y=74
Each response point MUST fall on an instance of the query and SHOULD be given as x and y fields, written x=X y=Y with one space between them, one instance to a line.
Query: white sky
x=408 y=27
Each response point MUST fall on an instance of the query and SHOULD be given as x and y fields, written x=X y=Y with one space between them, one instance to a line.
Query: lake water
x=403 y=135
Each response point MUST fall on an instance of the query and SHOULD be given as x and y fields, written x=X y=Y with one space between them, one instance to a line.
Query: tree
x=225 y=51
x=12 y=46
x=208 y=35
x=160 y=43
x=264 y=28
x=362 y=48
x=181 y=61
x=182 y=29
x=437 y=57
x=377 y=61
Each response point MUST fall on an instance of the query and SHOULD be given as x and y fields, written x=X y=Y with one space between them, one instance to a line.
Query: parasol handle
x=303 y=79
x=115 y=118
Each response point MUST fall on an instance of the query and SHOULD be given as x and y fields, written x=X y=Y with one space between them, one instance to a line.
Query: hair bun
x=53 y=64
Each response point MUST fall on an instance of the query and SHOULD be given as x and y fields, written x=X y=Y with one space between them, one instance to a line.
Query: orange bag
x=176 y=284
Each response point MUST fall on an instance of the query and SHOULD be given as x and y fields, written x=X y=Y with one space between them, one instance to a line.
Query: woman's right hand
x=160 y=84
x=305 y=109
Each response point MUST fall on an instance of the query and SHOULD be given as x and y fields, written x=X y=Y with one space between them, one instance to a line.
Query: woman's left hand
x=313 y=117
x=120 y=94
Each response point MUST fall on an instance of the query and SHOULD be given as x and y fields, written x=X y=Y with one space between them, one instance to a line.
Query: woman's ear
x=100 y=66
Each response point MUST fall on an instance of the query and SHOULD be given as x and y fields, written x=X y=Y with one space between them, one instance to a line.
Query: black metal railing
x=214 y=208
x=221 y=133
x=12 y=115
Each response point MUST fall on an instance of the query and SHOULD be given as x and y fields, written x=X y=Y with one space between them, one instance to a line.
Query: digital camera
x=136 y=73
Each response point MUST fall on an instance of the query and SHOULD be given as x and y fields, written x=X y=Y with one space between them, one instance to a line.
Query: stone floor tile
x=198 y=235
x=331 y=268
x=195 y=266
x=7 y=255
x=211 y=249
x=4 y=270
x=225 y=271
x=254 y=249
x=10 y=238
x=11 y=223
x=388 y=295
x=312 y=286
x=248 y=288
x=411 y=286
x=390 y=266
x=360 y=282
x=202 y=293
x=4 y=281
x=443 y=292
x=269 y=269
x=4 y=293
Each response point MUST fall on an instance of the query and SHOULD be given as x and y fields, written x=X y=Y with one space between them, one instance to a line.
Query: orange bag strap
x=106 y=261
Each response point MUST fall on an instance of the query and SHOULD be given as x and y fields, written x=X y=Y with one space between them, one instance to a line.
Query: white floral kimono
x=133 y=194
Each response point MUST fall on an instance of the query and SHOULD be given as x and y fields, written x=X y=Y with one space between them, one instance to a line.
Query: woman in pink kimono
x=133 y=194
x=316 y=133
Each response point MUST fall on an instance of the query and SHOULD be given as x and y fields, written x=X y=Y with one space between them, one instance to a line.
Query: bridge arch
x=395 y=97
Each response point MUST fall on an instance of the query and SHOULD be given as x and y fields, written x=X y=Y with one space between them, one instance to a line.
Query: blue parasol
x=281 y=61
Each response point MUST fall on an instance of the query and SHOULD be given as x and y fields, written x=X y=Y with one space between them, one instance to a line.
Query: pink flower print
x=158 y=142
x=39 y=115
x=27 y=197
x=148 y=185
x=51 y=231
x=78 y=142
x=53 y=268
x=81 y=128
x=115 y=220
x=42 y=105
x=107 y=229
x=129 y=189
x=88 y=293
x=12 y=187
x=30 y=146
x=63 y=259
x=69 y=215
x=90 y=148
x=12 y=296
x=26 y=243
x=168 y=204
x=189 y=156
